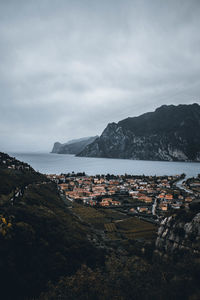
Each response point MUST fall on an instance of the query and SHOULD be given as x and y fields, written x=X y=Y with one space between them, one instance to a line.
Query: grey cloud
x=70 y=67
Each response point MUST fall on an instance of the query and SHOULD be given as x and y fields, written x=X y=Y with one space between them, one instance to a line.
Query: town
x=150 y=197
x=12 y=163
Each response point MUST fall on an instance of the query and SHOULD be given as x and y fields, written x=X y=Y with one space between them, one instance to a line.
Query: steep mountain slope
x=40 y=239
x=73 y=146
x=180 y=233
x=171 y=133
x=169 y=270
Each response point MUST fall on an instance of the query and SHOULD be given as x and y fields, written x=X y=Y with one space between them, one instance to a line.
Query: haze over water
x=50 y=163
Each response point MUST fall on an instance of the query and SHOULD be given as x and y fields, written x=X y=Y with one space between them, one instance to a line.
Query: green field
x=115 y=224
x=134 y=228
x=89 y=215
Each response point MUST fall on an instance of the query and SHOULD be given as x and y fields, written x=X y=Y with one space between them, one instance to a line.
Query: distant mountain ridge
x=170 y=133
x=74 y=146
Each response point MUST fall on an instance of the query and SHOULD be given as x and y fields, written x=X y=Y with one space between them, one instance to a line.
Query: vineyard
x=110 y=227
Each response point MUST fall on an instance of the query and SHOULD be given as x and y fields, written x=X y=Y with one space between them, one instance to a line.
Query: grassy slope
x=114 y=221
x=11 y=179
x=39 y=238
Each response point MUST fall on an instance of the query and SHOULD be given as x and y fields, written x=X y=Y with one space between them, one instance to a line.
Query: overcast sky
x=68 y=68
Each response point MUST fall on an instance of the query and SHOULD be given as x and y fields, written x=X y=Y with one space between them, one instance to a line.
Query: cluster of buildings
x=11 y=163
x=136 y=194
x=193 y=184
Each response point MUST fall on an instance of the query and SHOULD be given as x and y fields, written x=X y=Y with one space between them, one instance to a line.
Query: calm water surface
x=50 y=163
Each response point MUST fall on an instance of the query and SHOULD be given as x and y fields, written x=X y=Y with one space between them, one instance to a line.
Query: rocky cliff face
x=56 y=147
x=74 y=146
x=179 y=234
x=171 y=133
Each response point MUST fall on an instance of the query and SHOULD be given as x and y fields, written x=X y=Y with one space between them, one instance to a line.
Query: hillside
x=52 y=249
x=170 y=270
x=40 y=239
x=73 y=146
x=15 y=174
x=170 y=133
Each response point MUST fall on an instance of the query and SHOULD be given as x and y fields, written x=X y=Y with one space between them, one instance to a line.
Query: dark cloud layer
x=70 y=67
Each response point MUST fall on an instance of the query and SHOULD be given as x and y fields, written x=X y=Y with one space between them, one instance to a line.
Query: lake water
x=50 y=163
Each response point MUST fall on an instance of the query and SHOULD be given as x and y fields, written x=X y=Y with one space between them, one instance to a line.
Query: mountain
x=170 y=133
x=49 y=252
x=180 y=232
x=40 y=239
x=171 y=270
x=73 y=146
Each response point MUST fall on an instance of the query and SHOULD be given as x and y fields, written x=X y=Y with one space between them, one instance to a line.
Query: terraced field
x=113 y=214
x=110 y=227
x=115 y=224
x=89 y=215
x=134 y=228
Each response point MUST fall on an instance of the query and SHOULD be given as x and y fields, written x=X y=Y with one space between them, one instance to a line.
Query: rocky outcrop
x=74 y=146
x=171 y=133
x=179 y=234
x=56 y=147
